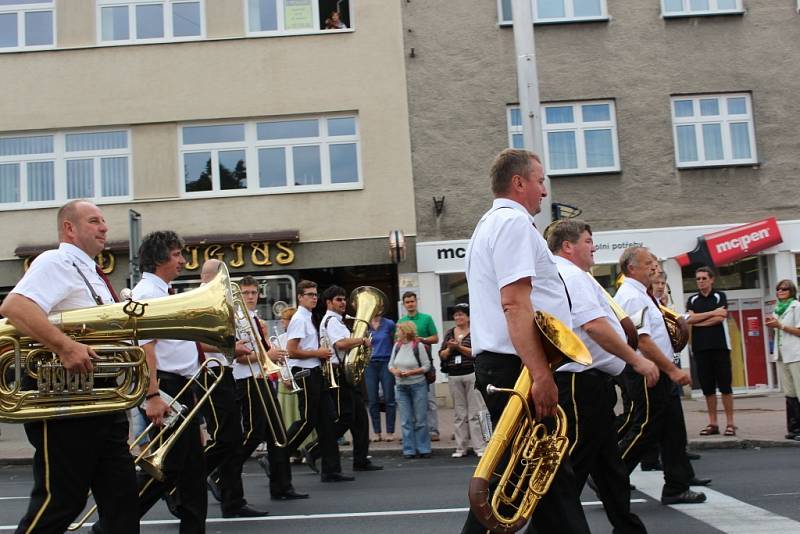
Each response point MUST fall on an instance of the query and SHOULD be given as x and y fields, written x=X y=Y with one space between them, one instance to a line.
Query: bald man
x=75 y=454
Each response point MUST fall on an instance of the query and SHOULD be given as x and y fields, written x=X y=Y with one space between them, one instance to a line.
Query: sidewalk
x=761 y=420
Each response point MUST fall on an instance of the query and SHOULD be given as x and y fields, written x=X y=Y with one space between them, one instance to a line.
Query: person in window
x=334 y=22
x=459 y=364
x=786 y=322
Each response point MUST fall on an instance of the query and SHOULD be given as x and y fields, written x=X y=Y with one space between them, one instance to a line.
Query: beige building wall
x=154 y=88
x=458 y=94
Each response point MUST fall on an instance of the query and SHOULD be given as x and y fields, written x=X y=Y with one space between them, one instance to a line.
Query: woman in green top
x=786 y=351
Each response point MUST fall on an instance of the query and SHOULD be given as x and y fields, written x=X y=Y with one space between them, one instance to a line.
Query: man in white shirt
x=348 y=400
x=654 y=416
x=586 y=393
x=315 y=404
x=75 y=454
x=510 y=271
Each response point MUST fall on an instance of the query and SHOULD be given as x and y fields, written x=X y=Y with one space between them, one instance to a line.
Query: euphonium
x=677 y=327
x=203 y=314
x=534 y=454
x=368 y=302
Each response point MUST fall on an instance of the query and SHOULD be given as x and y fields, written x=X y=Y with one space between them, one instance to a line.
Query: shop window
x=26 y=25
x=693 y=8
x=144 y=21
x=277 y=17
x=741 y=274
x=271 y=156
x=47 y=170
x=454 y=291
x=554 y=11
x=713 y=130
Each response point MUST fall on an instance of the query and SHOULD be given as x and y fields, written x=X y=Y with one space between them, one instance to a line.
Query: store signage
x=236 y=255
x=729 y=245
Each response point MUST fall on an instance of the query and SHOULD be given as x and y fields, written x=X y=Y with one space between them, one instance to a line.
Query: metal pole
x=528 y=89
x=134 y=240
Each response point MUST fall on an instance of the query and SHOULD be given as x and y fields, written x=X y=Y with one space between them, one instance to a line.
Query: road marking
x=719 y=511
x=781 y=494
x=12 y=498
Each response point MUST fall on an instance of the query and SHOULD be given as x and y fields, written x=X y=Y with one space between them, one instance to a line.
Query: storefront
x=748 y=282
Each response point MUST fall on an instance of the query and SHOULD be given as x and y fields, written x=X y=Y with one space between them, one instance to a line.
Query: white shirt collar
x=564 y=261
x=78 y=254
x=636 y=284
x=156 y=281
x=333 y=313
x=508 y=203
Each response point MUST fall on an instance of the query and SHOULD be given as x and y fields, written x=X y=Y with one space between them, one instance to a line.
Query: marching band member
x=587 y=393
x=316 y=406
x=73 y=454
x=510 y=271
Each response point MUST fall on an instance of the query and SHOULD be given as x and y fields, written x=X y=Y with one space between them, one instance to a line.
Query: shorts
x=714 y=371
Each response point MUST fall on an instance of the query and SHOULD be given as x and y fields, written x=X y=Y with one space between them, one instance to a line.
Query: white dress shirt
x=632 y=297
x=172 y=355
x=506 y=247
x=244 y=370
x=588 y=304
x=301 y=327
x=334 y=328
x=53 y=283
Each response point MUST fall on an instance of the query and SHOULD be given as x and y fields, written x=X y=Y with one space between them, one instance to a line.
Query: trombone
x=286 y=372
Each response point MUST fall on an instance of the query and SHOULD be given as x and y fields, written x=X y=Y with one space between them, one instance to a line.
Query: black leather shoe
x=337 y=477
x=687 y=497
x=692 y=455
x=245 y=511
x=264 y=463
x=214 y=488
x=369 y=466
x=310 y=461
x=655 y=466
x=694 y=481
x=791 y=435
x=290 y=495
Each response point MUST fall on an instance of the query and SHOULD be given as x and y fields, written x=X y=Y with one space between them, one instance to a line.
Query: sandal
x=710 y=430
x=730 y=430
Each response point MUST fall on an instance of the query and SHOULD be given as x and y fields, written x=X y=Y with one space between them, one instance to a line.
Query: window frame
x=168 y=22
x=20 y=10
x=251 y=146
x=59 y=156
x=570 y=8
x=688 y=12
x=724 y=119
x=512 y=128
x=283 y=32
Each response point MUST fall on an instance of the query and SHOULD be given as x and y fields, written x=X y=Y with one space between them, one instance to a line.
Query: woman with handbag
x=786 y=351
x=411 y=390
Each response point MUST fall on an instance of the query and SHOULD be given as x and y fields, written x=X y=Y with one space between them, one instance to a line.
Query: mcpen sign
x=726 y=246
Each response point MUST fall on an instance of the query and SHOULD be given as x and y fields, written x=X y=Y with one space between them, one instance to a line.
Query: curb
x=741 y=444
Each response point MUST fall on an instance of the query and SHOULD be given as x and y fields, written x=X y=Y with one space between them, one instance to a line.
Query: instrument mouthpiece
x=126 y=294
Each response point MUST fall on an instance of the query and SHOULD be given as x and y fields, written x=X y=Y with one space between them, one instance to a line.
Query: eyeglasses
x=310 y=295
x=702 y=279
x=783 y=289
x=253 y=292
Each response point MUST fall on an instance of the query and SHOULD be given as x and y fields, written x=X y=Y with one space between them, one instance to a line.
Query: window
x=280 y=155
x=548 y=11
x=515 y=135
x=686 y=8
x=47 y=170
x=26 y=25
x=136 y=21
x=713 y=130
x=580 y=137
x=277 y=17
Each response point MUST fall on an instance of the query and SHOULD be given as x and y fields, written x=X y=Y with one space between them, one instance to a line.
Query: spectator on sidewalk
x=427 y=334
x=379 y=377
x=786 y=352
x=409 y=365
x=459 y=363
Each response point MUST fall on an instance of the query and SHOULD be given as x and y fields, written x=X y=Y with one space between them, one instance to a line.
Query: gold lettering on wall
x=215 y=252
x=260 y=254
x=106 y=261
x=238 y=255
x=286 y=254
x=193 y=262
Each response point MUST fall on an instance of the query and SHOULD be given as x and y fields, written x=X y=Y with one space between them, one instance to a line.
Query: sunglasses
x=783 y=289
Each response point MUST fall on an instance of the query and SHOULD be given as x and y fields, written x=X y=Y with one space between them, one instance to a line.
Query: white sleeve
x=48 y=281
x=514 y=251
x=585 y=307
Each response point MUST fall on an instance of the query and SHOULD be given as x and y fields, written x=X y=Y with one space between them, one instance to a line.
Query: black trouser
x=75 y=455
x=255 y=430
x=588 y=400
x=316 y=413
x=656 y=419
x=351 y=414
x=223 y=452
x=560 y=509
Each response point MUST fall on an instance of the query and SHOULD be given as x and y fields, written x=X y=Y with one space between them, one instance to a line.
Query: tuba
x=533 y=452
x=204 y=315
x=368 y=302
x=677 y=327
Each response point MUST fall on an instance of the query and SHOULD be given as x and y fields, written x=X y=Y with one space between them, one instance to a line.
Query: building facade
x=664 y=119
x=247 y=126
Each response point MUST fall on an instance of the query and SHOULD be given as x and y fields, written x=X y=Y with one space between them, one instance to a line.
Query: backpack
x=430 y=375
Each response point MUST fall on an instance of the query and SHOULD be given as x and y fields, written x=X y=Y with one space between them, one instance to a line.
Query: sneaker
x=458 y=454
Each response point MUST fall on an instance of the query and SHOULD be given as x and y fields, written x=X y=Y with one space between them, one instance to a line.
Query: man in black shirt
x=708 y=311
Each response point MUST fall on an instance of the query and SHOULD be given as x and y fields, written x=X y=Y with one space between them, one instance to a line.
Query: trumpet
x=328 y=370
x=286 y=372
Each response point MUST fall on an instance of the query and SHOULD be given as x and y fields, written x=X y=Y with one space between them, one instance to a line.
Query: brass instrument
x=328 y=370
x=533 y=454
x=626 y=322
x=677 y=327
x=204 y=315
x=246 y=331
x=286 y=372
x=368 y=302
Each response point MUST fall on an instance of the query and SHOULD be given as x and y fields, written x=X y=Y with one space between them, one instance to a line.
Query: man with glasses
x=315 y=404
x=708 y=310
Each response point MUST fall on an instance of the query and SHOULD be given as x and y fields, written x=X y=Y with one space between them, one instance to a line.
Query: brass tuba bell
x=368 y=303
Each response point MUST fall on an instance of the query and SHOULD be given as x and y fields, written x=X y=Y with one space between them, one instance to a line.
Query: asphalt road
x=753 y=491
